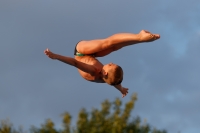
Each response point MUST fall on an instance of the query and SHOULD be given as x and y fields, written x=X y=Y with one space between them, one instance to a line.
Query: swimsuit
x=76 y=52
x=80 y=54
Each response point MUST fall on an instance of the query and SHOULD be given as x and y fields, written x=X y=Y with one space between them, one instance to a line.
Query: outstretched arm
x=71 y=61
x=123 y=90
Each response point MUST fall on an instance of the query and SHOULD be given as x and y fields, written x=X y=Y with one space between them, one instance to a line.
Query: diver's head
x=112 y=74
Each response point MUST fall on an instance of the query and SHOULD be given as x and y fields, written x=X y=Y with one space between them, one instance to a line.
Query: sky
x=163 y=73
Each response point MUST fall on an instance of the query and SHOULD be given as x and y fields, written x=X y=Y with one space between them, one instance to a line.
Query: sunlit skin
x=107 y=67
x=89 y=67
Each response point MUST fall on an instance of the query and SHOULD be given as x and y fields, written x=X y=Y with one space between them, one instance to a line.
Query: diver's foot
x=146 y=36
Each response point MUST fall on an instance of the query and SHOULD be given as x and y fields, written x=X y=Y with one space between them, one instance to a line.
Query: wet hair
x=115 y=76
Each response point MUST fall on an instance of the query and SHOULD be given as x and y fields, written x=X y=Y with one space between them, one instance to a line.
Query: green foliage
x=5 y=127
x=110 y=118
x=66 y=122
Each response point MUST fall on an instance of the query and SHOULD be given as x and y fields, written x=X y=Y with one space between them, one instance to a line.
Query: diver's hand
x=124 y=91
x=50 y=54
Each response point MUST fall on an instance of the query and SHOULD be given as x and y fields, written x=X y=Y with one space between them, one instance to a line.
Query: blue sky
x=164 y=73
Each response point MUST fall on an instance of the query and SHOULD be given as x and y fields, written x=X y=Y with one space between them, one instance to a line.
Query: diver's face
x=109 y=66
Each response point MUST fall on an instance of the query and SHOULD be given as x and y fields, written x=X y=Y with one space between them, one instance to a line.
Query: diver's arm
x=71 y=61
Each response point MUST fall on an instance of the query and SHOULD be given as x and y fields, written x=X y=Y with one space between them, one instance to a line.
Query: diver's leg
x=103 y=47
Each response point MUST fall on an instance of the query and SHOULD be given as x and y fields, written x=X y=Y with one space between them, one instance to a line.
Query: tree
x=110 y=118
